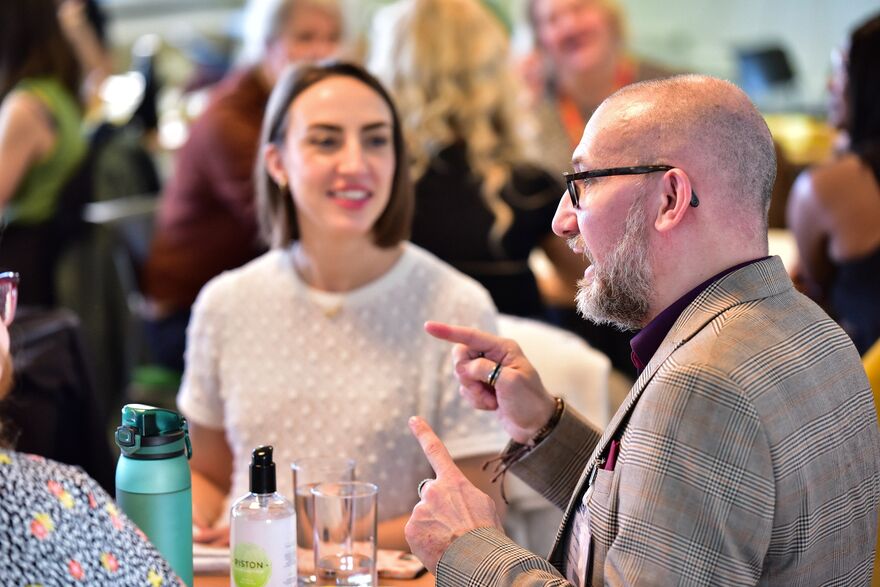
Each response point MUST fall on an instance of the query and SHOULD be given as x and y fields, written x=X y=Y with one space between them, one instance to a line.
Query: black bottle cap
x=262 y=470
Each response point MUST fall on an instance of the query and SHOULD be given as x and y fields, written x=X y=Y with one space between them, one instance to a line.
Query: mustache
x=577 y=243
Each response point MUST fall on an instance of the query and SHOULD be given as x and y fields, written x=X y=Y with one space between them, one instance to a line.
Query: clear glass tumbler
x=345 y=533
x=307 y=473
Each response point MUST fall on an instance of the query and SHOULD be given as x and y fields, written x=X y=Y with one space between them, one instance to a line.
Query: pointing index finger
x=476 y=340
x=434 y=449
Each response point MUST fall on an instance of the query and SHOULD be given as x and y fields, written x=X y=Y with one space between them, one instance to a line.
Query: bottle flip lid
x=144 y=426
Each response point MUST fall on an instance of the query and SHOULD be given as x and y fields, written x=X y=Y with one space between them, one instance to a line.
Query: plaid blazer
x=749 y=455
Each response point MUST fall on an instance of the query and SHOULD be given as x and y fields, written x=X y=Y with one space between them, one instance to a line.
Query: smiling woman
x=351 y=160
x=340 y=174
x=317 y=346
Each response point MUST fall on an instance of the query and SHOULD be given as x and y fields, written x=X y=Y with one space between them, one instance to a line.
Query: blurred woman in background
x=479 y=204
x=834 y=209
x=206 y=222
x=41 y=143
x=317 y=347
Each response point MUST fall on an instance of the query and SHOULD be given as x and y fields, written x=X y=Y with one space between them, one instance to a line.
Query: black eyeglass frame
x=571 y=177
x=8 y=287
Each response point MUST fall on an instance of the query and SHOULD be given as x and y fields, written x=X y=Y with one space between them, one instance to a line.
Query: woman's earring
x=282 y=184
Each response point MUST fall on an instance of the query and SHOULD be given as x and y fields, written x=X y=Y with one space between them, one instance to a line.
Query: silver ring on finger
x=422 y=485
x=493 y=376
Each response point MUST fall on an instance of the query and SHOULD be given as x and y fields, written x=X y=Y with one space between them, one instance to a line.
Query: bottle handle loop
x=188 y=445
x=129 y=439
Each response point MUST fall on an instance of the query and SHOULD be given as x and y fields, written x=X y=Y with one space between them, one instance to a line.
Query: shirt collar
x=645 y=343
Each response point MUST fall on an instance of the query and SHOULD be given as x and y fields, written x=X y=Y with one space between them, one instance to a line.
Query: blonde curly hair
x=446 y=62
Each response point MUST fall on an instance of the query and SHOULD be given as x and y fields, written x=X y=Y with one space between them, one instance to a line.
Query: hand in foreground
x=523 y=405
x=218 y=536
x=450 y=505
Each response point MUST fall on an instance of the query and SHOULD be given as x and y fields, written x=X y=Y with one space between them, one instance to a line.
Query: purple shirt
x=645 y=343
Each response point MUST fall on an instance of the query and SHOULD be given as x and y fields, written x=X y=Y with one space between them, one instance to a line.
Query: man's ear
x=675 y=200
x=274 y=164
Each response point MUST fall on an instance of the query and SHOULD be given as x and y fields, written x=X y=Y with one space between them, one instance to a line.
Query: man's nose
x=565 y=220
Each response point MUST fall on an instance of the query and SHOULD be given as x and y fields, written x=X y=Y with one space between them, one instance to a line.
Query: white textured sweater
x=313 y=373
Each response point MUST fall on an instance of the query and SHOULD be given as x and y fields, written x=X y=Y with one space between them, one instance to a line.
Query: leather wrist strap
x=517 y=451
x=545 y=431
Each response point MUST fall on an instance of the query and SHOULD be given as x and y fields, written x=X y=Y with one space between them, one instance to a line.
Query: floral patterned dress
x=58 y=527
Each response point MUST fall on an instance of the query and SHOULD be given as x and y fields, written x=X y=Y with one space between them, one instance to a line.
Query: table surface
x=216 y=580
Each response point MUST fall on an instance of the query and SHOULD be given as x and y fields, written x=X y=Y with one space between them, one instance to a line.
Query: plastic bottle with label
x=263 y=530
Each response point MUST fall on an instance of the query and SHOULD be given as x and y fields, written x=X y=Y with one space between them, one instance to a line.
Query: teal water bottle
x=153 y=483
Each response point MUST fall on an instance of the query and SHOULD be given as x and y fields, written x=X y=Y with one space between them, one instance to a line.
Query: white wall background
x=702 y=35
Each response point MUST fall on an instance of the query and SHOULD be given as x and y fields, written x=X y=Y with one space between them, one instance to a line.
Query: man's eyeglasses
x=8 y=296
x=573 y=180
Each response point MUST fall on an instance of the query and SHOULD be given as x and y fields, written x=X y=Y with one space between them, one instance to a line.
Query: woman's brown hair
x=276 y=211
x=33 y=45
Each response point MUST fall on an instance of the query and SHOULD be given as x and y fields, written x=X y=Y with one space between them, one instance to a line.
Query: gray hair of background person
x=263 y=19
x=735 y=143
x=447 y=64
x=276 y=211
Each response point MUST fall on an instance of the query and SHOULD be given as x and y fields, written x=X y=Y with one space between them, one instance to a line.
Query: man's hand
x=523 y=405
x=450 y=506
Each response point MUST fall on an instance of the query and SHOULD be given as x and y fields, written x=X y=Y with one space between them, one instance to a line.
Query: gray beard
x=620 y=292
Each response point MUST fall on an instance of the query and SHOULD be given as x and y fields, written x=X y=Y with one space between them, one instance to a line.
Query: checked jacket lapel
x=753 y=282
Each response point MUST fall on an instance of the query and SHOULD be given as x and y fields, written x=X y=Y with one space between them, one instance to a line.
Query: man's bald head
x=704 y=125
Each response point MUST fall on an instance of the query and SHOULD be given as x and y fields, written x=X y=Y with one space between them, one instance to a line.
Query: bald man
x=748 y=451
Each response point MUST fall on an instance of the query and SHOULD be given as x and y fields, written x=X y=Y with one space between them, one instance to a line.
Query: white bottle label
x=263 y=553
